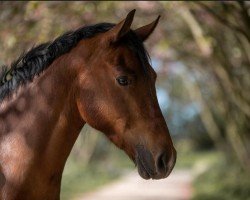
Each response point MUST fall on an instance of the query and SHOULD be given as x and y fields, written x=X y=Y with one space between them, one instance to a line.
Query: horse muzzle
x=154 y=168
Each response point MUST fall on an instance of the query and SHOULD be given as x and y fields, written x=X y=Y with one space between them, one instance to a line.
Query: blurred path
x=133 y=187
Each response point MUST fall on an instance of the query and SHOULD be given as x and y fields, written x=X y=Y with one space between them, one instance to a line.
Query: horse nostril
x=161 y=163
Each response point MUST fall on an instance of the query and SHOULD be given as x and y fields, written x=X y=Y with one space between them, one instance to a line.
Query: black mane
x=35 y=61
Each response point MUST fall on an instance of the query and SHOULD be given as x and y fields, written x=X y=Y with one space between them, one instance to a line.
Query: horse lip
x=144 y=171
x=145 y=162
x=141 y=170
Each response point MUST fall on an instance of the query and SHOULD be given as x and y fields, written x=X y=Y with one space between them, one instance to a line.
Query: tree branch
x=244 y=13
x=224 y=21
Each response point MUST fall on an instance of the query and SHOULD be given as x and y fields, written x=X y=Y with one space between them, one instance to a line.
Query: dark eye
x=123 y=80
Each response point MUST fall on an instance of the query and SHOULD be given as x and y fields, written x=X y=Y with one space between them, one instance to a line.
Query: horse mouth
x=145 y=163
x=144 y=171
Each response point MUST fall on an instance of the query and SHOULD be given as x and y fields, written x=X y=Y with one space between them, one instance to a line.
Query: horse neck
x=40 y=125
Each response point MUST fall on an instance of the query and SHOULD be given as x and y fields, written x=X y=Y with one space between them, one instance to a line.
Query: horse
x=97 y=74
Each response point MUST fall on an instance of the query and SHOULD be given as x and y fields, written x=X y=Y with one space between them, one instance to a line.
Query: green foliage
x=188 y=157
x=211 y=39
x=79 y=177
x=223 y=181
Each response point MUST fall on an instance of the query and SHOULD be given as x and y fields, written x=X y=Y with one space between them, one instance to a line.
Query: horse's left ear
x=144 y=32
x=122 y=28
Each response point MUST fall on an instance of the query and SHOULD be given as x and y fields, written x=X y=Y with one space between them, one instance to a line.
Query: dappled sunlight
x=200 y=52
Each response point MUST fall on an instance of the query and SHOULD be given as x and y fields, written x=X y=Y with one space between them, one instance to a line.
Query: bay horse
x=98 y=74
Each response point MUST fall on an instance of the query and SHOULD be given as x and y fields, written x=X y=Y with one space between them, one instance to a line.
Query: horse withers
x=97 y=74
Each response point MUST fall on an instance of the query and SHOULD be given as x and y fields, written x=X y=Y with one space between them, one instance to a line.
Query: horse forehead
x=123 y=56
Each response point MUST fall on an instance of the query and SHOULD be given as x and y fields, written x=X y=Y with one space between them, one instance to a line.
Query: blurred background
x=201 y=53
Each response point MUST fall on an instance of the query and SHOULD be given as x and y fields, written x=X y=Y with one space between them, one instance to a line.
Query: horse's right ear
x=122 y=28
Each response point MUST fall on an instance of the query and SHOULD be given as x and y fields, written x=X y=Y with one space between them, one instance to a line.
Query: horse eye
x=123 y=80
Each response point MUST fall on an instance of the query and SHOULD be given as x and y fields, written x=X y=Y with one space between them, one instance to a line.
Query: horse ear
x=144 y=32
x=119 y=30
